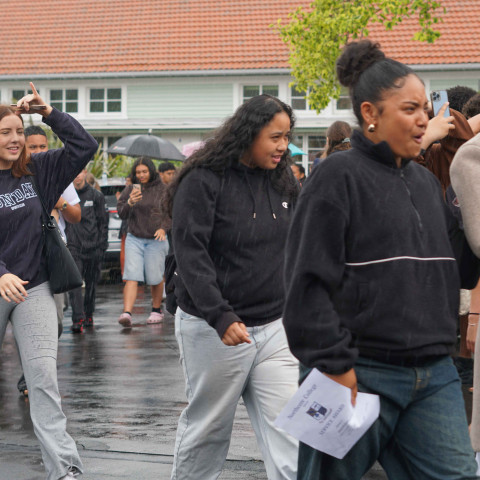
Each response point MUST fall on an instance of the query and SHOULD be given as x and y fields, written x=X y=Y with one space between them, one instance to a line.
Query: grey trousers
x=35 y=327
x=264 y=373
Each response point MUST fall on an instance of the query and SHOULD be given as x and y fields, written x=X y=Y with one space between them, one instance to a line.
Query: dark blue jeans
x=421 y=433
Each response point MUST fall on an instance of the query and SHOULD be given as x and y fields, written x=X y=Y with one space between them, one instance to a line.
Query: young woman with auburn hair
x=25 y=296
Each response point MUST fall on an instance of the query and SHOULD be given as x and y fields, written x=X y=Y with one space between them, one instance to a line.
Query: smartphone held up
x=439 y=98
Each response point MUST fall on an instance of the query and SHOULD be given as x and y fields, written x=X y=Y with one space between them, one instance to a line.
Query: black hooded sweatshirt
x=372 y=263
x=229 y=233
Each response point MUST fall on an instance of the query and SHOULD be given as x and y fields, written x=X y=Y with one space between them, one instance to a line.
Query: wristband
x=473 y=324
x=473 y=313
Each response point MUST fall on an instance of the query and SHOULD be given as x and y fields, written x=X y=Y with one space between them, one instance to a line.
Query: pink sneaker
x=125 y=319
x=155 y=318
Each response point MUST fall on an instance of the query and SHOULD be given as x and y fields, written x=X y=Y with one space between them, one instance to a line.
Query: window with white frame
x=316 y=146
x=17 y=94
x=105 y=100
x=298 y=99
x=250 y=91
x=344 y=102
x=106 y=142
x=64 y=99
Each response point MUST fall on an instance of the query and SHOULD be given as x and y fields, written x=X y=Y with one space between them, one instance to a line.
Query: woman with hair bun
x=377 y=312
x=232 y=204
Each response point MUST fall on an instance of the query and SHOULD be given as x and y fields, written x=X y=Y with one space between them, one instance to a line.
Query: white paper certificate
x=321 y=415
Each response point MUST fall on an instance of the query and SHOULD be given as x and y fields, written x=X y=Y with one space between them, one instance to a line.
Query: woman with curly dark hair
x=372 y=294
x=232 y=204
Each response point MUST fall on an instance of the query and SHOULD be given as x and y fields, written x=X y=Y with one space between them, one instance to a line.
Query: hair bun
x=355 y=59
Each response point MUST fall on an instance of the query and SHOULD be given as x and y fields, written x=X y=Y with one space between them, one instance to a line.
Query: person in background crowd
x=298 y=172
x=92 y=181
x=377 y=312
x=232 y=204
x=146 y=244
x=87 y=242
x=458 y=96
x=122 y=233
x=26 y=298
x=465 y=174
x=443 y=137
x=167 y=171
x=338 y=137
x=66 y=209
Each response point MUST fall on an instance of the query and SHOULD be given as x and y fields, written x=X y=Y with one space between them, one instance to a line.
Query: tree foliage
x=316 y=35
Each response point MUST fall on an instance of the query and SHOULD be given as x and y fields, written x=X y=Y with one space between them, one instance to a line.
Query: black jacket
x=370 y=269
x=90 y=235
x=229 y=235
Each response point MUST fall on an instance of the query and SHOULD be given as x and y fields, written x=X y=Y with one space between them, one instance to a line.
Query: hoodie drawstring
x=253 y=196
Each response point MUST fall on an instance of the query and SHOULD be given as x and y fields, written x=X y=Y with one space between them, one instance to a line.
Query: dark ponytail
x=368 y=73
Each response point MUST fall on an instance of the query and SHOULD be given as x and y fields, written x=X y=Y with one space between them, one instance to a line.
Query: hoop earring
x=371 y=128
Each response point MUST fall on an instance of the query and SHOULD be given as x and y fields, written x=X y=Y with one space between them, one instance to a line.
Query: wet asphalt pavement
x=122 y=391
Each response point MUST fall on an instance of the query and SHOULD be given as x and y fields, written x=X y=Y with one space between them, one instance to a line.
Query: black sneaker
x=77 y=327
x=89 y=322
x=22 y=386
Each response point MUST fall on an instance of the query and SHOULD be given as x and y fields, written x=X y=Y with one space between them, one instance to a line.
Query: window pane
x=56 y=95
x=299 y=104
x=114 y=106
x=17 y=95
x=316 y=142
x=114 y=93
x=57 y=105
x=251 y=91
x=97 y=107
x=97 y=94
x=270 y=90
x=71 y=94
x=112 y=140
x=71 y=107
x=296 y=93
x=344 y=103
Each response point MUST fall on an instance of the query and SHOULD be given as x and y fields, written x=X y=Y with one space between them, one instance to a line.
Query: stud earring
x=371 y=128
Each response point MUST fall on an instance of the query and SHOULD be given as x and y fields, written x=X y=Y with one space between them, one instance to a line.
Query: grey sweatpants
x=35 y=328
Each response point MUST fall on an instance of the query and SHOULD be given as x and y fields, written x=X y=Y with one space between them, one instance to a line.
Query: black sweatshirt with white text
x=21 y=236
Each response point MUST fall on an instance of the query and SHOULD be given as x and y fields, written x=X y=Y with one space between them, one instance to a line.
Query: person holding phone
x=26 y=299
x=146 y=243
x=376 y=311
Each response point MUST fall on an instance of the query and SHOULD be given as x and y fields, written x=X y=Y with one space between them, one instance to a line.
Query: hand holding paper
x=321 y=415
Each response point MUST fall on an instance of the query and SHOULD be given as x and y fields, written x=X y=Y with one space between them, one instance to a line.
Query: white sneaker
x=71 y=474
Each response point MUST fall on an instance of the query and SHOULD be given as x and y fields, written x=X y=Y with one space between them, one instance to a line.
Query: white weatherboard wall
x=184 y=100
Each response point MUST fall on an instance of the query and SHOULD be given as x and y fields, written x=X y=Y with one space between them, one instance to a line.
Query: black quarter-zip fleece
x=371 y=269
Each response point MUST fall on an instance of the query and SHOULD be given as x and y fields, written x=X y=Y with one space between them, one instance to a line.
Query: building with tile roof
x=179 y=67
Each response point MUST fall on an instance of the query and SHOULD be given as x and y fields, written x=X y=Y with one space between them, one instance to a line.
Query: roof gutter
x=153 y=74
x=442 y=67
x=438 y=67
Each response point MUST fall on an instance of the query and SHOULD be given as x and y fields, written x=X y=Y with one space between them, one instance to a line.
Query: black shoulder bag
x=62 y=271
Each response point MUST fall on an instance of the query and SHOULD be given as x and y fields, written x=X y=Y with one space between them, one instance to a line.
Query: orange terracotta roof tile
x=115 y=36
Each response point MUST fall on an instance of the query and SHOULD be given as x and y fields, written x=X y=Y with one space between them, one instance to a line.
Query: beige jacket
x=465 y=177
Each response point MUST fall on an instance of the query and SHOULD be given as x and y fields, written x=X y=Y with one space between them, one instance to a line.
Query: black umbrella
x=146 y=145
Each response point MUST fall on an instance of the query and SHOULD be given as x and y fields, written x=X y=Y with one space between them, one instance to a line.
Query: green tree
x=316 y=35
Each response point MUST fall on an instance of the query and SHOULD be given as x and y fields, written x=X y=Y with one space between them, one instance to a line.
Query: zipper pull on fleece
x=254 y=215
x=274 y=216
